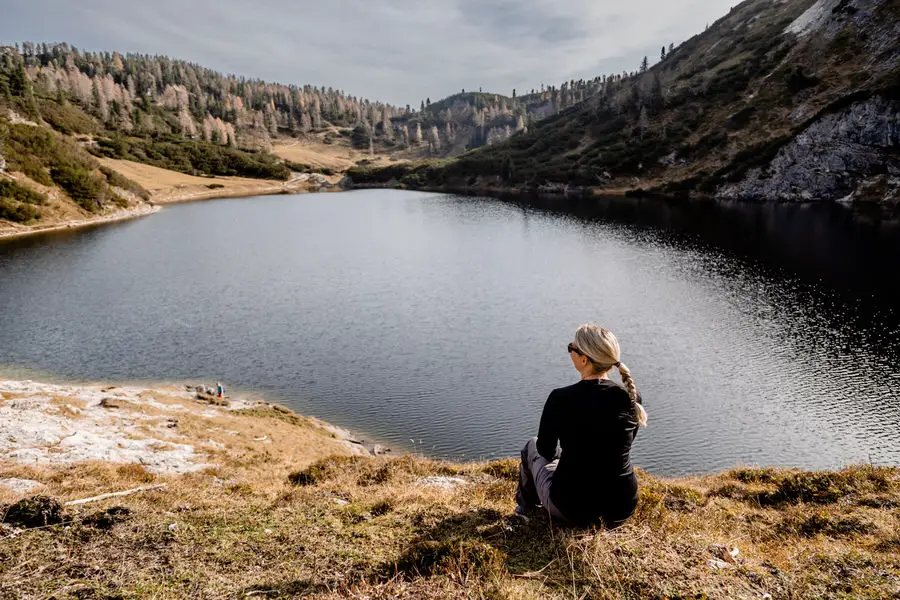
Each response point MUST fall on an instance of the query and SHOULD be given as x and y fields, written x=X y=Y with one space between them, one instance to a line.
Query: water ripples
x=445 y=319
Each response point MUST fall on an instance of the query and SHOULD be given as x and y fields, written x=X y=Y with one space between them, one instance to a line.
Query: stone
x=20 y=486
x=831 y=159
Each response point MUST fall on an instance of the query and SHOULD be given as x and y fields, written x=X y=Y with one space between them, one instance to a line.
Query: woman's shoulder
x=592 y=386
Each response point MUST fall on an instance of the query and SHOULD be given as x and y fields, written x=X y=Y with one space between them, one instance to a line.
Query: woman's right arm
x=548 y=432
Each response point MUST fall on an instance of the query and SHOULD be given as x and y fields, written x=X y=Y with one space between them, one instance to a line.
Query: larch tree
x=435 y=138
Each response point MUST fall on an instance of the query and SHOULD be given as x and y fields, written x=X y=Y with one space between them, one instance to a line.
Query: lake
x=438 y=323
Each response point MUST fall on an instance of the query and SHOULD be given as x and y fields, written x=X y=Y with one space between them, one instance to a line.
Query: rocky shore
x=57 y=425
x=168 y=492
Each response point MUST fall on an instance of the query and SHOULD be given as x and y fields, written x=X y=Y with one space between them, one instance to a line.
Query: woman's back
x=594 y=423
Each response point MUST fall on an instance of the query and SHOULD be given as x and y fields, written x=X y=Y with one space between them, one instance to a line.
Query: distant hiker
x=220 y=390
x=595 y=421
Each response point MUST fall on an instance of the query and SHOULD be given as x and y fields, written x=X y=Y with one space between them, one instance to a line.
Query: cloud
x=399 y=51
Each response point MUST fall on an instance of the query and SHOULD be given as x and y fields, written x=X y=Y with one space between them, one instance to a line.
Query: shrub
x=66 y=118
x=17 y=212
x=507 y=468
x=37 y=511
x=753 y=475
x=118 y=180
x=321 y=470
x=194 y=157
x=824 y=523
x=464 y=556
x=14 y=191
x=84 y=187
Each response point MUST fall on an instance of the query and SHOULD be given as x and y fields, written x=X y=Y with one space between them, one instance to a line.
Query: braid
x=628 y=382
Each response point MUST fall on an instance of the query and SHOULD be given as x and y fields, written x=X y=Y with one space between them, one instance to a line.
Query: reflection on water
x=757 y=334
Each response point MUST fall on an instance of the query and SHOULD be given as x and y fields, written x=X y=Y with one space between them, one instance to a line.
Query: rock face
x=2 y=164
x=831 y=159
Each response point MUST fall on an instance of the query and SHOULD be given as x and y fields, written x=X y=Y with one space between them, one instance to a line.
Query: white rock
x=20 y=486
x=446 y=483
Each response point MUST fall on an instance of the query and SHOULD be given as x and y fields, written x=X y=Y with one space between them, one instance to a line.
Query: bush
x=17 y=212
x=66 y=118
x=299 y=167
x=83 y=186
x=455 y=556
x=14 y=191
x=321 y=470
x=117 y=180
x=194 y=157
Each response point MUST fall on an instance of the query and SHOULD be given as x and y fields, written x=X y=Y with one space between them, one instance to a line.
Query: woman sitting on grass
x=595 y=421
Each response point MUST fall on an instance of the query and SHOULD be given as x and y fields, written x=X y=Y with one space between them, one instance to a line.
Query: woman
x=595 y=422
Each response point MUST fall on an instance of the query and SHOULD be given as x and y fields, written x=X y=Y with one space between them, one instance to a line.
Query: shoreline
x=125 y=215
x=154 y=205
x=63 y=424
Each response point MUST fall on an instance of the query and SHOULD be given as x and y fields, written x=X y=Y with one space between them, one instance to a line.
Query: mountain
x=62 y=109
x=471 y=120
x=788 y=100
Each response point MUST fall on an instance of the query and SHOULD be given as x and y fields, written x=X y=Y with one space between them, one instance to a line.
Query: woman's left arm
x=548 y=432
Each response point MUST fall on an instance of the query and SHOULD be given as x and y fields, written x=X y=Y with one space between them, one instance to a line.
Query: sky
x=396 y=51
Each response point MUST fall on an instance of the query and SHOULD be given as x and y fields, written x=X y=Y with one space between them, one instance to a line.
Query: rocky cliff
x=853 y=155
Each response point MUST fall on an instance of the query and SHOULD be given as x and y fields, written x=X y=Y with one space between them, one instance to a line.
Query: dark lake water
x=756 y=334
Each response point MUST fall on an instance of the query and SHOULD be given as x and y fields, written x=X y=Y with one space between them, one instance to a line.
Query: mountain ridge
x=727 y=114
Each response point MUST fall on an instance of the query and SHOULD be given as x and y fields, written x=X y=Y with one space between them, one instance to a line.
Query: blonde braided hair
x=601 y=348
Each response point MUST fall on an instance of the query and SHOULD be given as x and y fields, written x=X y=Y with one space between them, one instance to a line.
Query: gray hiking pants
x=535 y=478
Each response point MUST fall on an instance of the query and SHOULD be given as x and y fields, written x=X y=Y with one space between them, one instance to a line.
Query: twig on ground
x=145 y=488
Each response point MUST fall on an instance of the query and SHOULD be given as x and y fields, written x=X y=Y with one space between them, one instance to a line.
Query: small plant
x=753 y=475
x=465 y=557
x=507 y=469
x=321 y=470
x=18 y=212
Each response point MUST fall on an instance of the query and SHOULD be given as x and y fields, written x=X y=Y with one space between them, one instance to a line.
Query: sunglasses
x=572 y=348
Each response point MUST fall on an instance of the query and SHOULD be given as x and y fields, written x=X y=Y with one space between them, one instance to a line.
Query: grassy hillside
x=51 y=166
x=61 y=110
x=265 y=521
x=718 y=110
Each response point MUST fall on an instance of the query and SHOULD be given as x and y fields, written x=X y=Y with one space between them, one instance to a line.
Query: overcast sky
x=397 y=51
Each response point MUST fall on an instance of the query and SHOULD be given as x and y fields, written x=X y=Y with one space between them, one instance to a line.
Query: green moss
x=321 y=470
x=825 y=488
x=466 y=556
x=507 y=469
x=822 y=522
x=753 y=475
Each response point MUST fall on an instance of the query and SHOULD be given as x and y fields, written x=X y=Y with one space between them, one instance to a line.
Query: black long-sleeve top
x=595 y=425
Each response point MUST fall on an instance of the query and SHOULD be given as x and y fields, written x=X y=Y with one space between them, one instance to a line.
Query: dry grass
x=167 y=186
x=337 y=156
x=268 y=523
